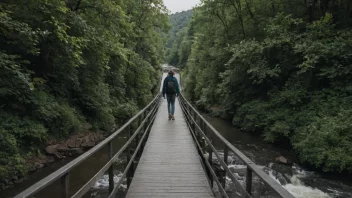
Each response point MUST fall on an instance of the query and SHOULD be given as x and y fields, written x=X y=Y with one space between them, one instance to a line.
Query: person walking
x=171 y=89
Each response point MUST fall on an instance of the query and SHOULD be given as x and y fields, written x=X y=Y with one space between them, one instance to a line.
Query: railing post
x=226 y=154
x=202 y=143
x=210 y=160
x=111 y=168
x=194 y=126
x=136 y=138
x=129 y=151
x=130 y=170
x=249 y=181
x=140 y=118
x=141 y=132
x=145 y=114
x=202 y=125
x=65 y=182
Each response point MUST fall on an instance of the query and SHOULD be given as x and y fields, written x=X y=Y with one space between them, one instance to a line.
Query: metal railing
x=144 y=119
x=203 y=133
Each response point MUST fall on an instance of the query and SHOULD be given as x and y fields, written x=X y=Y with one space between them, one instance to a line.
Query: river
x=299 y=181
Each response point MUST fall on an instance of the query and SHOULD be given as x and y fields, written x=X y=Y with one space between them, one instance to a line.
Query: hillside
x=65 y=65
x=280 y=69
x=179 y=22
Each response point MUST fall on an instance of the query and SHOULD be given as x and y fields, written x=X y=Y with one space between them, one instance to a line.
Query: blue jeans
x=171 y=103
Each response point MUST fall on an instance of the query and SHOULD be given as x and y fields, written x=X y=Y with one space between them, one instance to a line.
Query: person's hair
x=171 y=72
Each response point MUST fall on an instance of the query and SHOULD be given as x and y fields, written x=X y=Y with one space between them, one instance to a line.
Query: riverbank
x=55 y=153
x=302 y=182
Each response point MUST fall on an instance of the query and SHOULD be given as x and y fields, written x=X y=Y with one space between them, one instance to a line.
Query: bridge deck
x=170 y=165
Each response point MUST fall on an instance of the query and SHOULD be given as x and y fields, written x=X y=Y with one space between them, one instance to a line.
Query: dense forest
x=65 y=64
x=278 y=68
x=178 y=22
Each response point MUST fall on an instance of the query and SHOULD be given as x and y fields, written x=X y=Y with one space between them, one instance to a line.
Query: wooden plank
x=170 y=165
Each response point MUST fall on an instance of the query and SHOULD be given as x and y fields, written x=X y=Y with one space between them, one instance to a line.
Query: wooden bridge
x=163 y=159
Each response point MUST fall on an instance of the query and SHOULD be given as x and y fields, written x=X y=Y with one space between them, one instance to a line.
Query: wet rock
x=281 y=168
x=78 y=143
x=93 y=137
x=75 y=151
x=51 y=149
x=71 y=143
x=100 y=137
x=62 y=148
x=38 y=165
x=31 y=169
x=19 y=181
x=283 y=160
x=240 y=170
x=87 y=142
x=58 y=155
x=49 y=160
x=282 y=178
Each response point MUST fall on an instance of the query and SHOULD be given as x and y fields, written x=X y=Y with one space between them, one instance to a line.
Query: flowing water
x=299 y=181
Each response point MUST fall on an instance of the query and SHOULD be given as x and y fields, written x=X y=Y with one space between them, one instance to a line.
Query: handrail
x=188 y=110
x=63 y=173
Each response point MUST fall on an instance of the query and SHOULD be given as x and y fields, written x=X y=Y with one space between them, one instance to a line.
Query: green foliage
x=177 y=49
x=65 y=63
x=278 y=68
x=16 y=134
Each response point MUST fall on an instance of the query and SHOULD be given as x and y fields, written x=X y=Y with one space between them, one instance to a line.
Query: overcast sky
x=180 y=5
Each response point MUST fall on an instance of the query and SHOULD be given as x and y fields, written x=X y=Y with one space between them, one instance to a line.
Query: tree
x=66 y=63
x=289 y=58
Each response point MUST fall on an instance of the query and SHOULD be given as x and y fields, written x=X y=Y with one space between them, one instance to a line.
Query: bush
x=59 y=118
x=18 y=135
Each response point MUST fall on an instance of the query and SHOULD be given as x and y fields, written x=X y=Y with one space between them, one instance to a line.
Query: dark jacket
x=169 y=77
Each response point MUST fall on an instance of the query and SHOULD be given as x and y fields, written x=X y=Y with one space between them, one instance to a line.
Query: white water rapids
x=297 y=188
x=293 y=183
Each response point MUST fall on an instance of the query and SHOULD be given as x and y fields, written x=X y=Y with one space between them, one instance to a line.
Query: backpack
x=171 y=86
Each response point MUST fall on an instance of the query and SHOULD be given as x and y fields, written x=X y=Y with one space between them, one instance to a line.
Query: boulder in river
x=283 y=160
x=51 y=149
